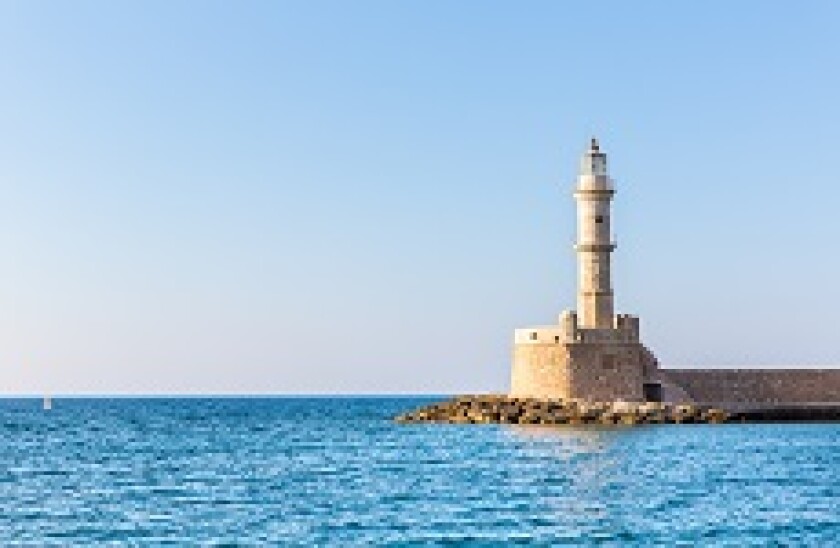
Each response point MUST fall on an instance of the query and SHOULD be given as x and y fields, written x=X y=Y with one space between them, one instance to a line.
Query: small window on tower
x=533 y=336
x=599 y=219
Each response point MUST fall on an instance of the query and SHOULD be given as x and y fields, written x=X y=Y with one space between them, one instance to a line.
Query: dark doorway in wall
x=652 y=391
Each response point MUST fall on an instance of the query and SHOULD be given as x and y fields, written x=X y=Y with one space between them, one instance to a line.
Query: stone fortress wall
x=593 y=372
x=757 y=386
x=540 y=370
x=551 y=367
x=567 y=361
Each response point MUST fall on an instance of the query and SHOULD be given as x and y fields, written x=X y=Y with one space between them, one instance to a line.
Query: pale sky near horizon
x=368 y=197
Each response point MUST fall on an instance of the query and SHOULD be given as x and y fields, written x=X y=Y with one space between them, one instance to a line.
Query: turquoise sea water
x=337 y=471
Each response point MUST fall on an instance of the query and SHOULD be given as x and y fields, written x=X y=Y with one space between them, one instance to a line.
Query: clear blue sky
x=311 y=196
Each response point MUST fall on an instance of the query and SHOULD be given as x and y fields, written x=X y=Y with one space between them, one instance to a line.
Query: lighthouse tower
x=594 y=195
x=591 y=353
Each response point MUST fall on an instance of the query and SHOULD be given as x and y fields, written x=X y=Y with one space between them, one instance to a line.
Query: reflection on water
x=338 y=471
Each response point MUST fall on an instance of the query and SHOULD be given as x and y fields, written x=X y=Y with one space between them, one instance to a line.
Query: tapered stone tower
x=592 y=354
x=594 y=195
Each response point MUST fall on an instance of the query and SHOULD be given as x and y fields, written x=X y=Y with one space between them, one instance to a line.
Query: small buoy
x=47 y=403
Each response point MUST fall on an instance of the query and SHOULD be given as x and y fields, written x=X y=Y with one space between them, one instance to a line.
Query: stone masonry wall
x=540 y=371
x=593 y=372
x=607 y=372
x=765 y=386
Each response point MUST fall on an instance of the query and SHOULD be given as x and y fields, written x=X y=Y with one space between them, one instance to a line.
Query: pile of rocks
x=501 y=409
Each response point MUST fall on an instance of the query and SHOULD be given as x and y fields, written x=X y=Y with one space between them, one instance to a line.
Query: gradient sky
x=365 y=197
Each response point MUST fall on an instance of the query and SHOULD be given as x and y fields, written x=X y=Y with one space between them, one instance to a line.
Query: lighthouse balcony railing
x=596 y=184
x=592 y=245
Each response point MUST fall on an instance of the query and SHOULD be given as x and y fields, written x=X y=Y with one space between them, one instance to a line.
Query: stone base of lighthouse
x=564 y=361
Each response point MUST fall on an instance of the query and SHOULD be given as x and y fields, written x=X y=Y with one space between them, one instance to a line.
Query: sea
x=337 y=471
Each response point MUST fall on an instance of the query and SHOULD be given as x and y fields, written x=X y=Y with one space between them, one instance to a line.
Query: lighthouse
x=593 y=194
x=595 y=354
x=591 y=353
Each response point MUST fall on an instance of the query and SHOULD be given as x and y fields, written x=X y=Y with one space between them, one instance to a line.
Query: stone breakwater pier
x=502 y=409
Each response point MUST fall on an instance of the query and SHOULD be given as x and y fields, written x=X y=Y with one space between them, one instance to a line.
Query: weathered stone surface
x=596 y=371
x=757 y=386
x=487 y=409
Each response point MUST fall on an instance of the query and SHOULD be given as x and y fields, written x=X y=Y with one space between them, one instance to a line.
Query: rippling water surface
x=336 y=471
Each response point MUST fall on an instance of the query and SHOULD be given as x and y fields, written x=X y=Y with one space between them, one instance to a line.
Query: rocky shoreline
x=502 y=409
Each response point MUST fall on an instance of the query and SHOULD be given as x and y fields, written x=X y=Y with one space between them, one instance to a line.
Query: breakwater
x=501 y=409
